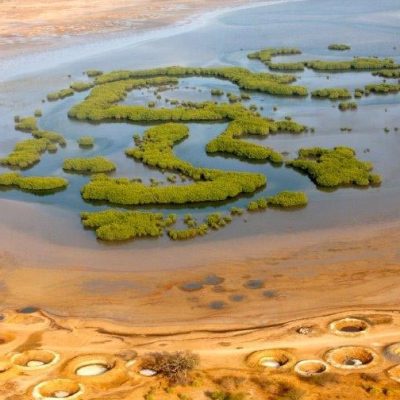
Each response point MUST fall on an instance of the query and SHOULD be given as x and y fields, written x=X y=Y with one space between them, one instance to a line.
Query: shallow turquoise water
x=370 y=27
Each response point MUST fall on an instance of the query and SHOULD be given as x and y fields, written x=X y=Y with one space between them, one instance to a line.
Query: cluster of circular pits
x=345 y=357
x=110 y=371
x=97 y=370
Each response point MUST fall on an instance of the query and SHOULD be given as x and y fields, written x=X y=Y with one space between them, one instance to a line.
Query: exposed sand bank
x=266 y=279
x=35 y=25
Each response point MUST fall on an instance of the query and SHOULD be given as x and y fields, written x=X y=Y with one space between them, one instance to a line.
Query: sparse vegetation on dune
x=335 y=167
x=90 y=165
x=32 y=183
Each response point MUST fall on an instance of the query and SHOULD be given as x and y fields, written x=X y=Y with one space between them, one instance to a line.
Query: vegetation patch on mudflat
x=186 y=183
x=32 y=183
x=112 y=225
x=335 y=167
x=156 y=150
x=332 y=93
x=339 y=46
x=26 y=153
x=92 y=165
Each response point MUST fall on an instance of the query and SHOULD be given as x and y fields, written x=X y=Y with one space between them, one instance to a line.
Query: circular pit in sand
x=310 y=368
x=97 y=369
x=273 y=359
x=351 y=357
x=349 y=327
x=32 y=360
x=58 y=389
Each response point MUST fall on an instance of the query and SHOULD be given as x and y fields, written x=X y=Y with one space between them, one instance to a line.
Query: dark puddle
x=209 y=280
x=191 y=286
x=254 y=284
x=236 y=297
x=28 y=310
x=213 y=280
x=270 y=294
x=217 y=305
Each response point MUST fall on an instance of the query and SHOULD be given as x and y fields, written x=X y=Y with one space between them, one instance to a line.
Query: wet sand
x=40 y=25
x=300 y=274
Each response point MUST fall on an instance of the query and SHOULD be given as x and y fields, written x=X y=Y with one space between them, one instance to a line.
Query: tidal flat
x=242 y=206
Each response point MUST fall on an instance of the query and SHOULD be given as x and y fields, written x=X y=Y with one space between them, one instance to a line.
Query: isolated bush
x=173 y=366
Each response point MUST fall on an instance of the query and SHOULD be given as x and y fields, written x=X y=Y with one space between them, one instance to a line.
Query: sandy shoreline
x=35 y=26
x=356 y=267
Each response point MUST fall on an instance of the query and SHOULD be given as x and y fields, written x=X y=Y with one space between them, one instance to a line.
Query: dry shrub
x=174 y=366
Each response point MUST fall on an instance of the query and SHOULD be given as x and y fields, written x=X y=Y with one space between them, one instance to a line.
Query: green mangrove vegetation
x=188 y=233
x=285 y=199
x=383 y=88
x=347 y=105
x=32 y=183
x=92 y=165
x=265 y=55
x=356 y=64
x=29 y=125
x=60 y=94
x=184 y=183
x=288 y=199
x=81 y=86
x=388 y=73
x=156 y=150
x=293 y=66
x=26 y=153
x=228 y=142
x=245 y=79
x=335 y=167
x=86 y=141
x=92 y=73
x=332 y=93
x=113 y=225
x=339 y=47
x=260 y=204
